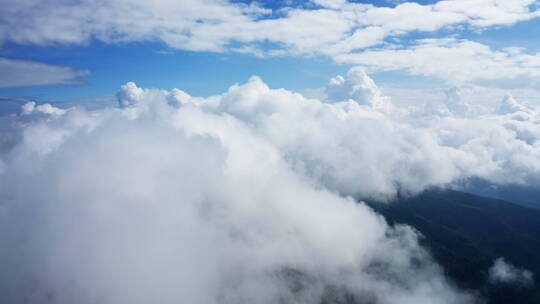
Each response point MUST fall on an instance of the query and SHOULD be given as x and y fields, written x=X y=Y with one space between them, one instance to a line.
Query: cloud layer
x=239 y=197
x=363 y=144
x=465 y=62
x=348 y=32
x=172 y=198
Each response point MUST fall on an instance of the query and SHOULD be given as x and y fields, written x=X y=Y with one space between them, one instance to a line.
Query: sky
x=212 y=152
x=87 y=49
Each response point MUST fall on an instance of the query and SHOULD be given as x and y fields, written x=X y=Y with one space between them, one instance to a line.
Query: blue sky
x=95 y=60
x=201 y=73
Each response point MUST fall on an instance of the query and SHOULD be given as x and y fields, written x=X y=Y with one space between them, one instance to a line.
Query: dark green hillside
x=465 y=233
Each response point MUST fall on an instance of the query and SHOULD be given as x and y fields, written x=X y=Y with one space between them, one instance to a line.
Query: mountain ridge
x=465 y=233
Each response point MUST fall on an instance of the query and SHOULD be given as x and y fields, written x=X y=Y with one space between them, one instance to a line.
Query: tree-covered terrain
x=466 y=233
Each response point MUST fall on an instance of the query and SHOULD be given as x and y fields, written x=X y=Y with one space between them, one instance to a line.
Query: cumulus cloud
x=335 y=28
x=172 y=198
x=22 y=73
x=359 y=87
x=238 y=197
x=31 y=108
x=504 y=272
x=509 y=105
x=363 y=144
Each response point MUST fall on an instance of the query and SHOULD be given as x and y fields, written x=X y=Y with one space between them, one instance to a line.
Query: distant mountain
x=520 y=194
x=466 y=233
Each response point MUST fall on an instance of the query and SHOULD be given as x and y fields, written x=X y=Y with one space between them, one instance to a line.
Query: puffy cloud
x=477 y=100
x=31 y=107
x=22 y=73
x=129 y=94
x=509 y=105
x=456 y=103
x=200 y=201
x=238 y=197
x=503 y=272
x=362 y=144
x=465 y=62
x=359 y=87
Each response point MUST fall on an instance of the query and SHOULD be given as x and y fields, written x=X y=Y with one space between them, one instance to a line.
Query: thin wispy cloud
x=339 y=29
x=22 y=73
x=506 y=273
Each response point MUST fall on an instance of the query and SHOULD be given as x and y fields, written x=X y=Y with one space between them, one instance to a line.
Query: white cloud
x=31 y=108
x=361 y=38
x=490 y=12
x=410 y=16
x=173 y=198
x=481 y=97
x=22 y=73
x=331 y=3
x=241 y=196
x=364 y=144
x=456 y=61
x=503 y=272
x=335 y=28
x=358 y=86
x=509 y=105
